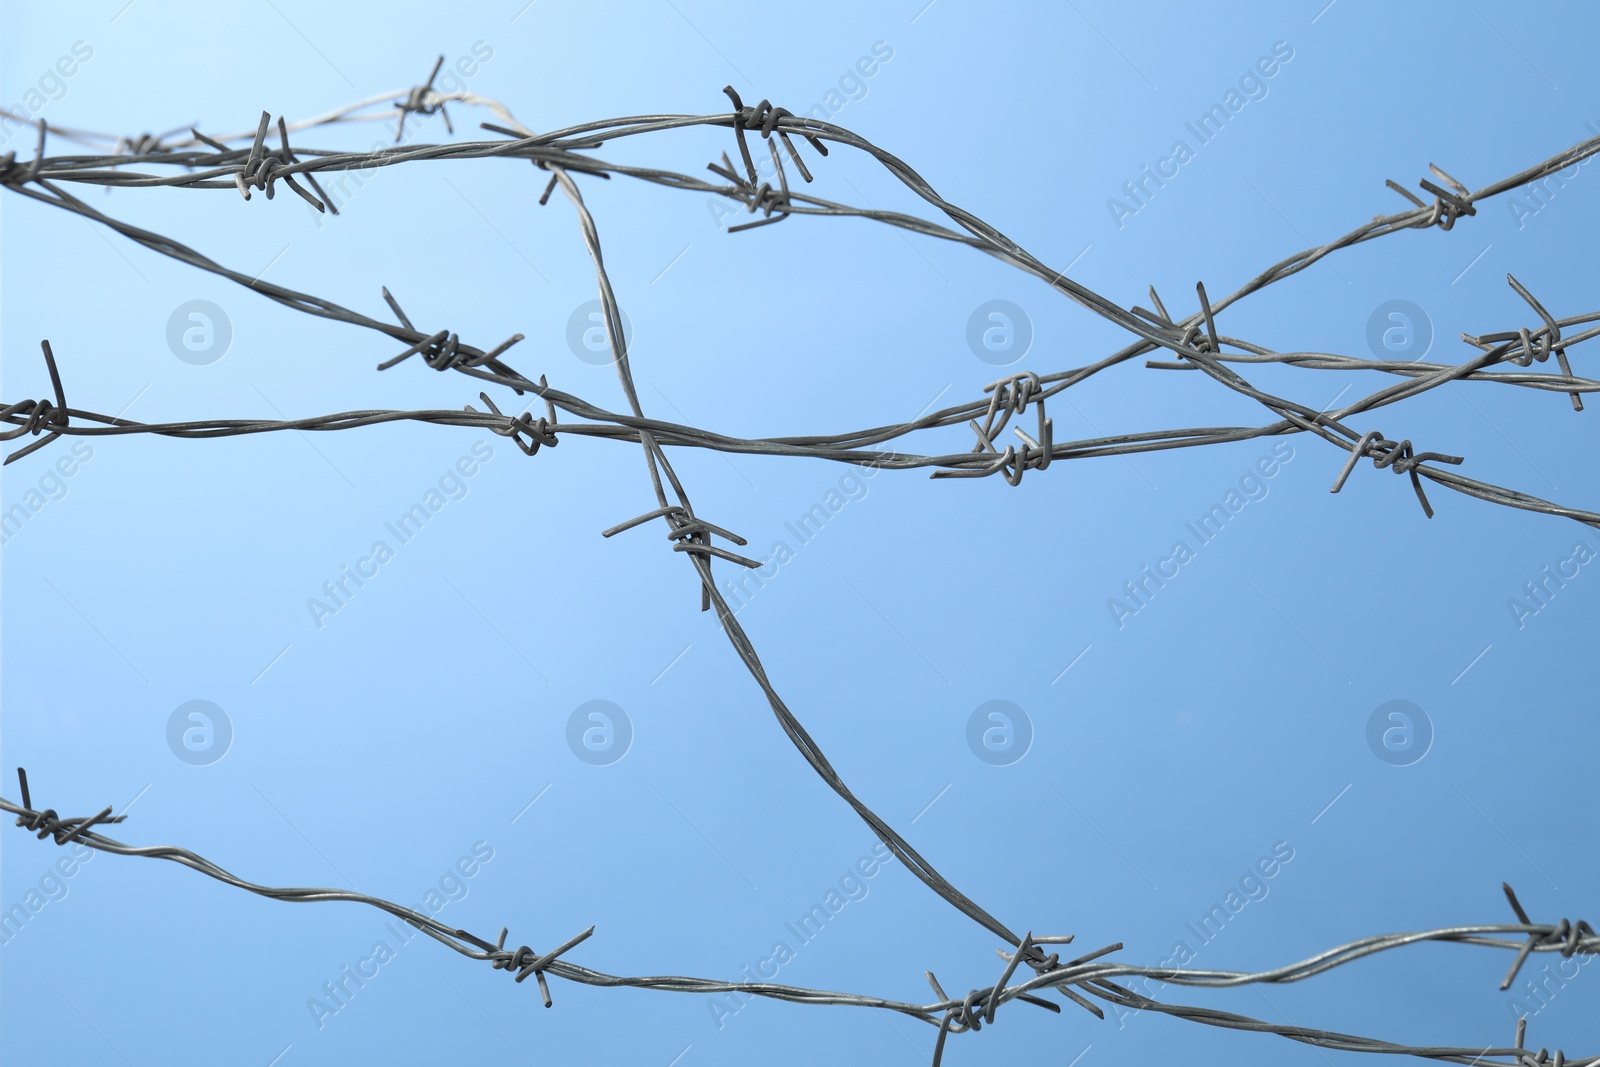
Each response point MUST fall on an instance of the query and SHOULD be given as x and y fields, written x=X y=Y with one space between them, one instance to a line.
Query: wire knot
x=764 y=118
x=422 y=100
x=542 y=432
x=523 y=960
x=443 y=350
x=33 y=417
x=1010 y=396
x=691 y=534
x=763 y=197
x=1571 y=937
x=47 y=823
x=1536 y=345
x=36 y=416
x=1195 y=337
x=1448 y=204
x=143 y=144
x=1397 y=455
x=979 y=1005
x=1030 y=953
x=516 y=961
x=1523 y=346
x=261 y=170
x=751 y=190
x=1534 y=1059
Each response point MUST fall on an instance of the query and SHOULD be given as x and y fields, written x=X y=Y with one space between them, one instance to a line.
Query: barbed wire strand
x=1194 y=340
x=953 y=1015
x=1012 y=463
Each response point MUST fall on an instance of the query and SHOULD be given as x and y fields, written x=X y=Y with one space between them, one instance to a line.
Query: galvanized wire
x=1188 y=338
x=1088 y=974
x=207 y=162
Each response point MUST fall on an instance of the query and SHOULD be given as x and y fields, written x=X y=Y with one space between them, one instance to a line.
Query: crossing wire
x=249 y=162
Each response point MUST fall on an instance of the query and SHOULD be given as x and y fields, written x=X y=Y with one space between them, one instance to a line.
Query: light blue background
x=429 y=712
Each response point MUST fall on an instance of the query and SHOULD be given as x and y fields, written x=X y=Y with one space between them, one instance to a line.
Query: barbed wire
x=444 y=350
x=207 y=162
x=1087 y=974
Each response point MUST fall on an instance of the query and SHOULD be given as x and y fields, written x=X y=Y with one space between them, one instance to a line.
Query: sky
x=514 y=722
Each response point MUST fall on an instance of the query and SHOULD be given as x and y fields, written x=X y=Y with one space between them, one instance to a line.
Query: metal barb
x=206 y=162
